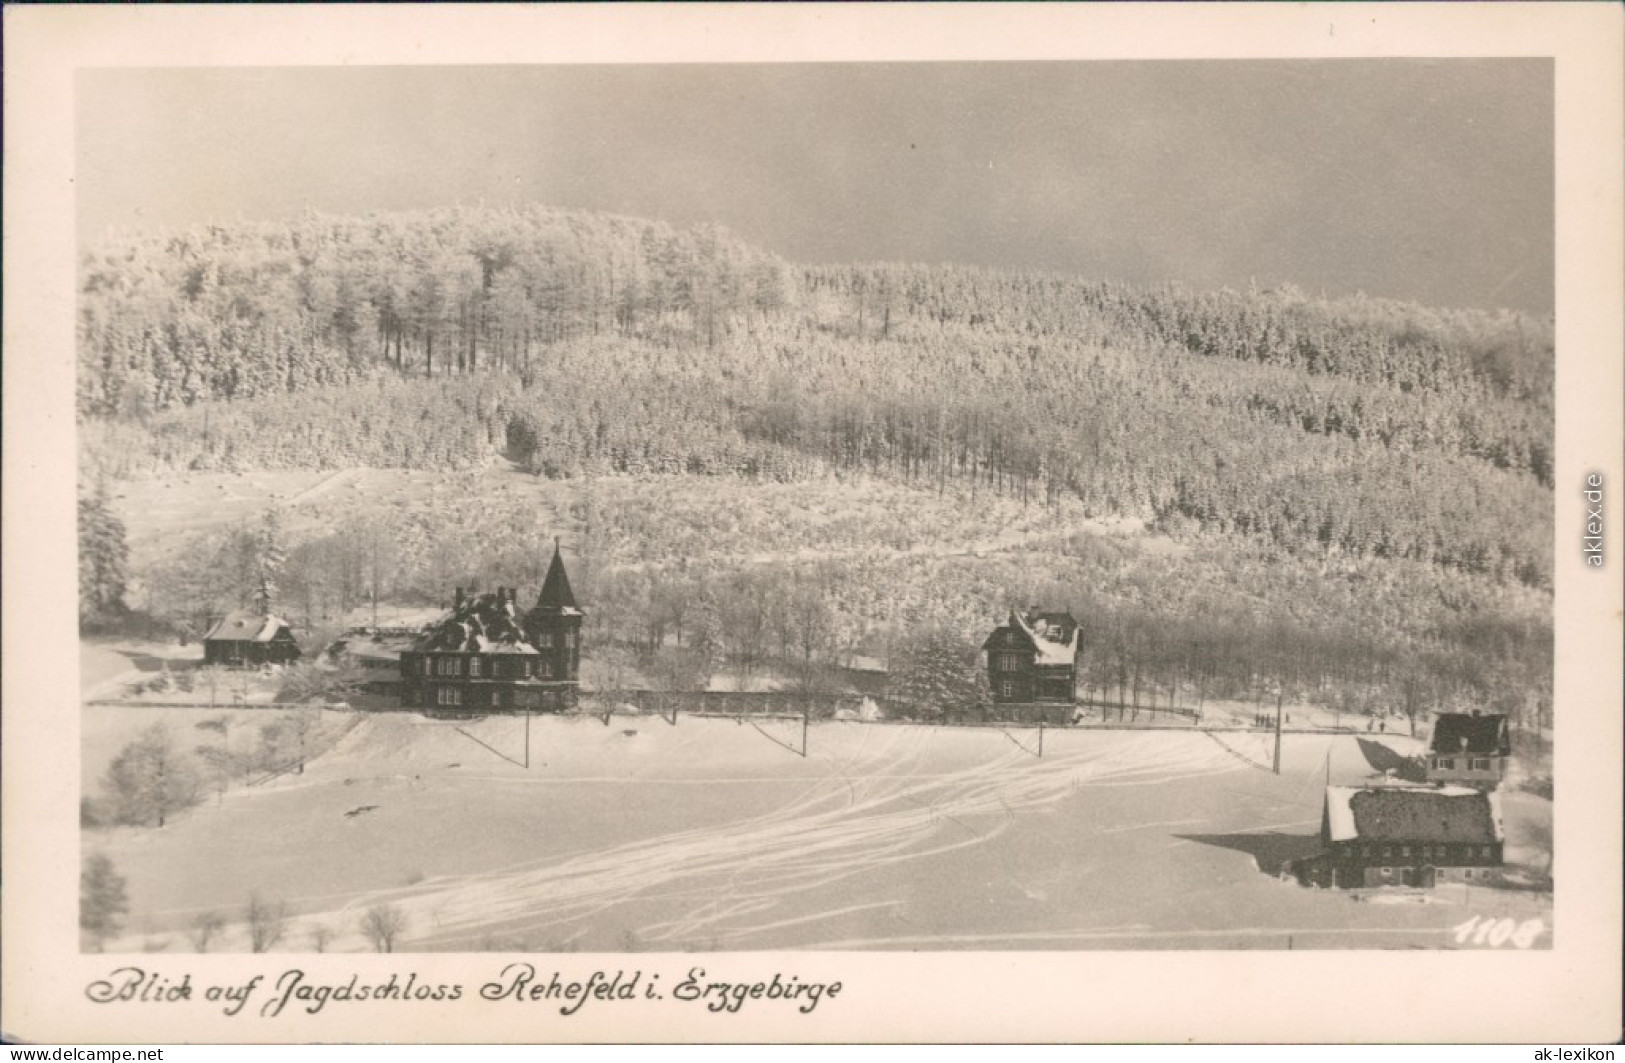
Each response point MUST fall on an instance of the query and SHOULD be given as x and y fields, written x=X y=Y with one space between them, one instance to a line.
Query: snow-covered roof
x=1413 y=814
x=487 y=623
x=243 y=626
x=1049 y=651
x=487 y=646
x=375 y=648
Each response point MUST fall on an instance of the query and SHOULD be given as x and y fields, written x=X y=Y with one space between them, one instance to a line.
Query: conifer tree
x=103 y=900
x=271 y=558
x=103 y=559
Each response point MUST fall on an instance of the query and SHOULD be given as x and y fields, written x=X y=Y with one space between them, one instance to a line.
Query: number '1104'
x=1498 y=932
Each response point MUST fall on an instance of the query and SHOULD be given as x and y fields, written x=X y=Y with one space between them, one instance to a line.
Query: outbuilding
x=248 y=640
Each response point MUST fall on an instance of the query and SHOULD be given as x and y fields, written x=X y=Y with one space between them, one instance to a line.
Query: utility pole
x=527 y=738
x=806 y=714
x=1279 y=699
x=1040 y=739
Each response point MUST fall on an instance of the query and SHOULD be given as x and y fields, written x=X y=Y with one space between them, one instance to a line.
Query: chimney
x=458 y=601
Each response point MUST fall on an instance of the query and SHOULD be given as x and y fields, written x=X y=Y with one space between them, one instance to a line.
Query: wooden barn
x=1032 y=666
x=248 y=640
x=1469 y=749
x=1406 y=835
x=486 y=655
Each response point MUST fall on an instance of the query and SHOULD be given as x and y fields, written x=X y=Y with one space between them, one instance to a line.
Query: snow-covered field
x=712 y=835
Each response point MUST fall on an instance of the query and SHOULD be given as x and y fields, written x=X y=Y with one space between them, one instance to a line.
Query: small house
x=1406 y=835
x=247 y=640
x=1032 y=666
x=1469 y=749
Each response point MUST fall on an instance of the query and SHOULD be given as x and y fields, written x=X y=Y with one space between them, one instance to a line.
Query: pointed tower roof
x=556 y=595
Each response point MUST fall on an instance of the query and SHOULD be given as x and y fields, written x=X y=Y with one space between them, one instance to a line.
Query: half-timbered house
x=1406 y=835
x=1469 y=749
x=1032 y=666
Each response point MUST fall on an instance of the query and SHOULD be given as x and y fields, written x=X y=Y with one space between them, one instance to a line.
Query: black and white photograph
x=815 y=507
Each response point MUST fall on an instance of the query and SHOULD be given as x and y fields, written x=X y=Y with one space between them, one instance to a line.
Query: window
x=544 y=640
x=569 y=640
x=1365 y=851
x=544 y=670
x=1007 y=689
x=1404 y=850
x=448 y=696
x=1484 y=851
x=1479 y=764
x=474 y=667
x=450 y=666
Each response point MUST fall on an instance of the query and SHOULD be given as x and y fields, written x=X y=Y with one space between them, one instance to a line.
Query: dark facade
x=1469 y=749
x=1032 y=666
x=248 y=640
x=488 y=656
x=1405 y=836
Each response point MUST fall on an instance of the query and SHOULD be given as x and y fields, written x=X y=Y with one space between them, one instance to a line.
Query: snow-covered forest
x=1358 y=492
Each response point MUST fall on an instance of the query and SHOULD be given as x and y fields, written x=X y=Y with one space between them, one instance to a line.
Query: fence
x=783 y=703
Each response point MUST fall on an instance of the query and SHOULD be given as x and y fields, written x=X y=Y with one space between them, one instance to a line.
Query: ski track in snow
x=727 y=882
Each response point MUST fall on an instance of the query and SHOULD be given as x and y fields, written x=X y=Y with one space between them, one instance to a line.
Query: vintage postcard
x=813 y=523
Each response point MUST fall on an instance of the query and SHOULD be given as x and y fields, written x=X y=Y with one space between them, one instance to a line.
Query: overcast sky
x=1417 y=179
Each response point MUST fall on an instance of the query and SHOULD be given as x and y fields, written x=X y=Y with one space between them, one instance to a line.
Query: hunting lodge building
x=487 y=656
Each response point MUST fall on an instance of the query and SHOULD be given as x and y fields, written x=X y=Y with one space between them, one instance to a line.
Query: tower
x=553 y=625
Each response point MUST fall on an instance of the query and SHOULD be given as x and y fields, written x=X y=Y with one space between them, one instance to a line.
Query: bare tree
x=150 y=779
x=204 y=928
x=267 y=921
x=320 y=936
x=382 y=924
